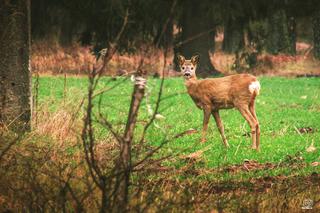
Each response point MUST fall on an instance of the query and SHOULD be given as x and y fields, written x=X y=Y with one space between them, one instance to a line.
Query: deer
x=213 y=94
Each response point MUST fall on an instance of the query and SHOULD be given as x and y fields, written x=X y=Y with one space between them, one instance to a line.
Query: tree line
x=267 y=25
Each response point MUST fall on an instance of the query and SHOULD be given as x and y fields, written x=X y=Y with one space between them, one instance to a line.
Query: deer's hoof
x=256 y=148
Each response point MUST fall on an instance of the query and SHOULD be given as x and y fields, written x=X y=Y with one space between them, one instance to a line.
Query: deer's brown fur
x=212 y=94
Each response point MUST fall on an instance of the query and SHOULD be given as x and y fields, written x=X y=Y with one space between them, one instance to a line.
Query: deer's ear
x=195 y=59
x=181 y=59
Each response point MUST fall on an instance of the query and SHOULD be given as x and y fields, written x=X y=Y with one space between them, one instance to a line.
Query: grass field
x=284 y=108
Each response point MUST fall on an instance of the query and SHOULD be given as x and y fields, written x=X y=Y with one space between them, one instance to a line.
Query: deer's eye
x=191 y=68
x=183 y=68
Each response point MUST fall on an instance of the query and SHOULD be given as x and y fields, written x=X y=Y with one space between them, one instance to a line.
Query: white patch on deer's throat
x=254 y=87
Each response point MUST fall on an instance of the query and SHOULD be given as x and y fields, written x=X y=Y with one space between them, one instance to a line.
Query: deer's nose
x=187 y=74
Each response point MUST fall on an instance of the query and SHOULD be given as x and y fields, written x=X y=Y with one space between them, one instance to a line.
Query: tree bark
x=278 y=40
x=196 y=36
x=316 y=34
x=124 y=166
x=15 y=73
x=292 y=31
x=233 y=40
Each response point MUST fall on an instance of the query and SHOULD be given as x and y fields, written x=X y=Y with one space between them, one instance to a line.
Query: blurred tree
x=316 y=33
x=292 y=34
x=233 y=35
x=196 y=34
x=278 y=39
x=15 y=77
x=235 y=17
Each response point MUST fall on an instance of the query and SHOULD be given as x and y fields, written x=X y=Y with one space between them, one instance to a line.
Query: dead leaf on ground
x=315 y=163
x=197 y=154
x=311 y=148
x=306 y=130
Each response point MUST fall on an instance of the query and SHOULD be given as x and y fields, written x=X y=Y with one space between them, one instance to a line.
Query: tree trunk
x=316 y=34
x=233 y=40
x=278 y=37
x=124 y=166
x=15 y=91
x=196 y=36
x=292 y=31
x=66 y=28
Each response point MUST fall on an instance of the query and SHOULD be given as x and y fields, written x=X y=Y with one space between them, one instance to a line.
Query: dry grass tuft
x=50 y=58
x=59 y=125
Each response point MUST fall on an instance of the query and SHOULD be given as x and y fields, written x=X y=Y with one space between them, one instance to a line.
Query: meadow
x=288 y=110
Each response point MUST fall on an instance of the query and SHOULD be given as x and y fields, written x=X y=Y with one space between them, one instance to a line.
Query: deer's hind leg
x=219 y=123
x=245 y=112
x=253 y=113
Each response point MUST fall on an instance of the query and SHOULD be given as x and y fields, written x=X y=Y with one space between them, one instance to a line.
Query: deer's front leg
x=220 y=127
x=206 y=117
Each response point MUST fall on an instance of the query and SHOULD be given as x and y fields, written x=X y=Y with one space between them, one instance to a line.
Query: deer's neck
x=191 y=82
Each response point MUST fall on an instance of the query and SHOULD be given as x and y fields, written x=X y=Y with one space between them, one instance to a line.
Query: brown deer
x=212 y=94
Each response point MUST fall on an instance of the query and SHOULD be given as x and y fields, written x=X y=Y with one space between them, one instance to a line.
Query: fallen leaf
x=311 y=148
x=159 y=117
x=315 y=164
x=306 y=130
x=304 y=97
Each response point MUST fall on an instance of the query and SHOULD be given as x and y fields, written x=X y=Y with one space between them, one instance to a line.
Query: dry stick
x=157 y=106
x=36 y=98
x=124 y=161
x=107 y=124
x=153 y=118
x=94 y=78
x=102 y=91
x=128 y=135
x=125 y=147
x=162 y=79
x=87 y=133
x=152 y=152
x=64 y=89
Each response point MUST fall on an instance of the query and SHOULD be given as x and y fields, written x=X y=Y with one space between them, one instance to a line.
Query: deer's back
x=219 y=93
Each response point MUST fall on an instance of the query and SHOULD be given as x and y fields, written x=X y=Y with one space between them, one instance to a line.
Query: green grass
x=283 y=105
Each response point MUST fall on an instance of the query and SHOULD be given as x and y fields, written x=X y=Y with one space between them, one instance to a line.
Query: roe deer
x=212 y=94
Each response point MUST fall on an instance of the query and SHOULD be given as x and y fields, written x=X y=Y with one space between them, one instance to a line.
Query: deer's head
x=188 y=67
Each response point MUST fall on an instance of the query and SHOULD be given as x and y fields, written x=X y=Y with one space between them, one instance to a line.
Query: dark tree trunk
x=15 y=91
x=66 y=28
x=316 y=34
x=292 y=31
x=196 y=36
x=233 y=40
x=278 y=40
